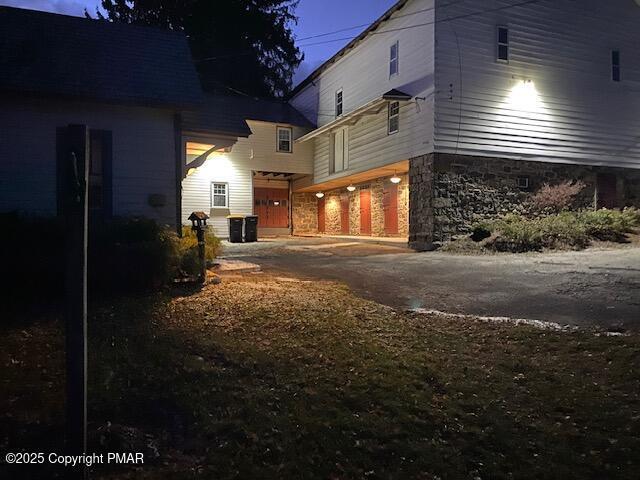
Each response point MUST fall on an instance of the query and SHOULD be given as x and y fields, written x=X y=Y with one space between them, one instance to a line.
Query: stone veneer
x=451 y=192
x=304 y=214
x=305 y=210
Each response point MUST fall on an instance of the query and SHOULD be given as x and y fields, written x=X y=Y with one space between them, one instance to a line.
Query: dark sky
x=316 y=17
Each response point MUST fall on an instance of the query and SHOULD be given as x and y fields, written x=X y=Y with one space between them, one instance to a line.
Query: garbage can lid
x=251 y=216
x=235 y=216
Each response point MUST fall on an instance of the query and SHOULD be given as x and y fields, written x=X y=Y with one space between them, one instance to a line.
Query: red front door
x=365 y=212
x=272 y=207
x=390 y=204
x=321 y=217
x=344 y=214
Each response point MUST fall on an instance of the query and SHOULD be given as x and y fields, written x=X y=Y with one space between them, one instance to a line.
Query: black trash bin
x=235 y=228
x=251 y=228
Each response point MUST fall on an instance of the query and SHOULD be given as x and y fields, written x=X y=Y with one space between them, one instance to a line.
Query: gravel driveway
x=591 y=288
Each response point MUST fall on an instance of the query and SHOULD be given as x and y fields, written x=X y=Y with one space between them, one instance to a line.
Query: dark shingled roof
x=226 y=114
x=57 y=55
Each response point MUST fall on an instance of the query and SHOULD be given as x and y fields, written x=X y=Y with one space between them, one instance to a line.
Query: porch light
x=395 y=179
x=351 y=188
x=320 y=195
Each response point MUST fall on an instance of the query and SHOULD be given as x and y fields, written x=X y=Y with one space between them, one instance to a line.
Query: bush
x=611 y=225
x=124 y=255
x=556 y=198
x=516 y=233
x=131 y=255
x=188 y=250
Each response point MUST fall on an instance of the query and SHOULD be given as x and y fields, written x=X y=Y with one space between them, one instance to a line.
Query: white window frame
x=395 y=59
x=506 y=44
x=391 y=116
x=289 y=130
x=226 y=195
x=339 y=104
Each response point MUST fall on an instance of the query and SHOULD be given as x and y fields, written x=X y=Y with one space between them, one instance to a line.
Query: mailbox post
x=199 y=225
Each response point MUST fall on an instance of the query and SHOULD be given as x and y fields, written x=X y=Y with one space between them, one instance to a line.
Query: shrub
x=188 y=250
x=131 y=255
x=516 y=233
x=124 y=255
x=611 y=225
x=555 y=198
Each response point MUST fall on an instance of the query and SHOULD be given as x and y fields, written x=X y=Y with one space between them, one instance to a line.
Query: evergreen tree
x=243 y=45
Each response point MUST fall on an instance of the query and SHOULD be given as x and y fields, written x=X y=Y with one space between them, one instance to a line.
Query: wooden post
x=202 y=253
x=74 y=185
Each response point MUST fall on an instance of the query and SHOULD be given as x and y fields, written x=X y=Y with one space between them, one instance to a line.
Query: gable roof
x=318 y=71
x=57 y=55
x=227 y=114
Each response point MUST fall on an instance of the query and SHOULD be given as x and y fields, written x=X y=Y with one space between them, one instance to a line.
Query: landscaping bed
x=264 y=377
x=574 y=230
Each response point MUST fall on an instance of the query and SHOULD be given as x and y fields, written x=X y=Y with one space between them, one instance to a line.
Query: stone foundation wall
x=304 y=214
x=421 y=217
x=403 y=206
x=354 y=212
x=449 y=193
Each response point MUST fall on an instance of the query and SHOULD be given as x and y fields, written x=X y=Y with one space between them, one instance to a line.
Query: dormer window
x=394 y=54
x=339 y=103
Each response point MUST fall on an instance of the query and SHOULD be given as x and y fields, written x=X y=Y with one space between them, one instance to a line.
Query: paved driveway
x=595 y=287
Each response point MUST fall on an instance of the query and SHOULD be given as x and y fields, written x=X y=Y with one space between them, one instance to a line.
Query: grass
x=266 y=378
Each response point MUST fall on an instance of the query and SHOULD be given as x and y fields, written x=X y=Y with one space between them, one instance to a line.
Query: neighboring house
x=128 y=84
x=241 y=159
x=471 y=105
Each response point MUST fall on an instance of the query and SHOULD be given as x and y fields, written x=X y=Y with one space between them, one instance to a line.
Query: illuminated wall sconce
x=395 y=179
x=351 y=188
x=320 y=195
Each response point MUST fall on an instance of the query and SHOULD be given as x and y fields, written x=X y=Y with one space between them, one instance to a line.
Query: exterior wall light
x=395 y=179
x=351 y=188
x=320 y=195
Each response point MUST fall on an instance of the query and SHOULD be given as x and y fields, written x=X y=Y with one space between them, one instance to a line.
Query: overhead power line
x=443 y=20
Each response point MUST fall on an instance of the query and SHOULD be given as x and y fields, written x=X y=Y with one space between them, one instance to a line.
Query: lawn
x=263 y=377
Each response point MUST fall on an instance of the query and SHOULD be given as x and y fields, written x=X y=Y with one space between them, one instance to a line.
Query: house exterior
x=127 y=84
x=471 y=105
x=242 y=159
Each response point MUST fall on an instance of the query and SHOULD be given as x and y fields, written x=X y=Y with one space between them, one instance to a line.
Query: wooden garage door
x=390 y=205
x=321 y=216
x=344 y=214
x=272 y=207
x=365 y=212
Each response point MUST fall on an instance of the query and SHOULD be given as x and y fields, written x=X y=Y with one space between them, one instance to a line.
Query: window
x=339 y=103
x=99 y=199
x=524 y=183
x=615 y=65
x=340 y=151
x=503 y=44
x=394 y=54
x=219 y=195
x=284 y=139
x=394 y=117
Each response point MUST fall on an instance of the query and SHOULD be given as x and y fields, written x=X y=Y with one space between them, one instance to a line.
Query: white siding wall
x=256 y=153
x=363 y=75
x=143 y=155
x=564 y=48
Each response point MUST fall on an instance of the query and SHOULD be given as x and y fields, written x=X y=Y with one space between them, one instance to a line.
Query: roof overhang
x=371 y=108
x=355 y=178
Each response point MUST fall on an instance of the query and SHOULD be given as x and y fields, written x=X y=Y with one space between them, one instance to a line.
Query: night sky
x=316 y=17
